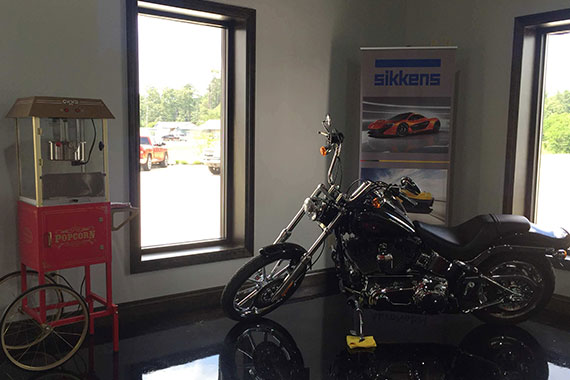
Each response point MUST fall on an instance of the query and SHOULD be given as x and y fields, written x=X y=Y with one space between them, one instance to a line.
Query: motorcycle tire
x=511 y=353
x=542 y=268
x=239 y=279
x=261 y=349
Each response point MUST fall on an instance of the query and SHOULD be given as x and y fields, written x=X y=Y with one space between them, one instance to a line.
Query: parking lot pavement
x=180 y=203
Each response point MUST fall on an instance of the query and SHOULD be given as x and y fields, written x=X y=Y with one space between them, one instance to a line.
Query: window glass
x=401 y=116
x=181 y=112
x=554 y=160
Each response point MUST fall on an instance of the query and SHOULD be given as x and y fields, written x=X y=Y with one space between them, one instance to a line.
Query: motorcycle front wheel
x=529 y=275
x=248 y=295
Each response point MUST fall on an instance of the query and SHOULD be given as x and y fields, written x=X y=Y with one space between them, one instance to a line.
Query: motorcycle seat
x=465 y=241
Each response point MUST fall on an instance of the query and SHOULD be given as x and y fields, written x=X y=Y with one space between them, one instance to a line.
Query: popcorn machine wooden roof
x=58 y=107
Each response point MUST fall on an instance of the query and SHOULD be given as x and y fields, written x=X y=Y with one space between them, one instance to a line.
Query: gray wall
x=307 y=65
x=483 y=31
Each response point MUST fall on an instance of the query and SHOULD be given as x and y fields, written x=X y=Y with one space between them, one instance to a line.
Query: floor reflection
x=266 y=350
x=306 y=340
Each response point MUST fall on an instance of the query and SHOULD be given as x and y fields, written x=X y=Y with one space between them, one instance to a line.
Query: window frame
x=239 y=126
x=525 y=109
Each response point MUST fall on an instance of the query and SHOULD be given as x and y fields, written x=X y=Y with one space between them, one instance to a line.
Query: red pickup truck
x=151 y=153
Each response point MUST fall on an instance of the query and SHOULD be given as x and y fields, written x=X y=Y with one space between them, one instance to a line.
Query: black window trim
x=233 y=246
x=525 y=108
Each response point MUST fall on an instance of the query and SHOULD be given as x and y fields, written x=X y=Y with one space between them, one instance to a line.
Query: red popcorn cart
x=64 y=221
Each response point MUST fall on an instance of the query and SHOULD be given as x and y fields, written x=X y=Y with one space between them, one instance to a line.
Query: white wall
x=307 y=65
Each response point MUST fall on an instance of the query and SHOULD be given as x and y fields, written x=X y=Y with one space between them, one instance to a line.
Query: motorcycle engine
x=431 y=295
x=390 y=256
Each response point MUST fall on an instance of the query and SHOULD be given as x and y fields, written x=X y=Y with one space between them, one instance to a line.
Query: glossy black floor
x=306 y=340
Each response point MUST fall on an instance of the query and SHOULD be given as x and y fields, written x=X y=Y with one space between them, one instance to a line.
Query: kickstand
x=356 y=339
x=358 y=319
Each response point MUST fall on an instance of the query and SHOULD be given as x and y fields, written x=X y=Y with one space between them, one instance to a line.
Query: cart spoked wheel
x=37 y=342
x=11 y=285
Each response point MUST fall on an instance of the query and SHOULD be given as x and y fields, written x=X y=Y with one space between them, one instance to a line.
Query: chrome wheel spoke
x=274 y=268
x=248 y=297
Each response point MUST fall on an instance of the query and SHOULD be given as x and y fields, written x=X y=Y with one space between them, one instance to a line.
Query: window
x=531 y=168
x=400 y=117
x=191 y=104
x=554 y=148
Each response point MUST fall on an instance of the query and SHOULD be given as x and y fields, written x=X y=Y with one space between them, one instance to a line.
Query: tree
x=182 y=104
x=188 y=102
x=209 y=106
x=557 y=104
x=556 y=133
x=150 y=107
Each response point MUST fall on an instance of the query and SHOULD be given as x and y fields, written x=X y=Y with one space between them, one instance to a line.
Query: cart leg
x=109 y=278
x=42 y=281
x=24 y=283
x=89 y=298
x=23 y=277
x=115 y=328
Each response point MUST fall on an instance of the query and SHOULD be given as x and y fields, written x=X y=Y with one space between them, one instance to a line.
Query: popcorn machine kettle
x=64 y=221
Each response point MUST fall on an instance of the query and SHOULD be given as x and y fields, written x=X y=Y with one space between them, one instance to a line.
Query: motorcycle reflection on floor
x=264 y=350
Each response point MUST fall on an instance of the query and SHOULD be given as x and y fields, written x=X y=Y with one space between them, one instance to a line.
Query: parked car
x=404 y=124
x=211 y=158
x=171 y=137
x=152 y=152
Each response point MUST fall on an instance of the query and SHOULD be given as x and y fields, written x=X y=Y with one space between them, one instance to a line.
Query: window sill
x=178 y=258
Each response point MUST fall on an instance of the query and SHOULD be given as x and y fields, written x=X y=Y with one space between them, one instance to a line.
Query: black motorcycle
x=495 y=266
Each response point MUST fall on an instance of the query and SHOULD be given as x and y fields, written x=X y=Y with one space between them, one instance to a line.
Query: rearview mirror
x=408 y=184
x=327 y=122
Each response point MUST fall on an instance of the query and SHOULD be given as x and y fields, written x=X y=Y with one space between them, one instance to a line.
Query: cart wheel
x=11 y=285
x=36 y=345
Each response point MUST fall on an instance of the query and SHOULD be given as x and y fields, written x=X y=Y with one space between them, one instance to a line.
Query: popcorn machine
x=64 y=221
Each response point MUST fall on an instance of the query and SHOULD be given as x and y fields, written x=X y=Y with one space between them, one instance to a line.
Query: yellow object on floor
x=358 y=342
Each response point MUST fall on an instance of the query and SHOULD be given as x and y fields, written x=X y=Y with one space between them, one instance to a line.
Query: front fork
x=307 y=256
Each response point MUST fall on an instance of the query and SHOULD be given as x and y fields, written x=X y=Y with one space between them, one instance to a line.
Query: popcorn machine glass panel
x=26 y=158
x=73 y=169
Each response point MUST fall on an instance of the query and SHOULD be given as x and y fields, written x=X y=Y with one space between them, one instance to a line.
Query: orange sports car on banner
x=404 y=124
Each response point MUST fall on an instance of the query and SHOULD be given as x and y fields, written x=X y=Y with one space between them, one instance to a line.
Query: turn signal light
x=323 y=151
x=376 y=203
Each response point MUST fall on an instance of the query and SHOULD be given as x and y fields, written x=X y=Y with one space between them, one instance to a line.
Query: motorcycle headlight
x=312 y=207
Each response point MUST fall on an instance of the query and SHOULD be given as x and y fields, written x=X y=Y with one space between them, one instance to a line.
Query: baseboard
x=559 y=304
x=316 y=284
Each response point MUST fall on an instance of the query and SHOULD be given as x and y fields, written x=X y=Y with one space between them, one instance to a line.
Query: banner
x=406 y=122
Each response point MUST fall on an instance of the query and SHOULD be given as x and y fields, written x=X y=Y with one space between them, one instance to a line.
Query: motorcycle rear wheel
x=247 y=296
x=535 y=267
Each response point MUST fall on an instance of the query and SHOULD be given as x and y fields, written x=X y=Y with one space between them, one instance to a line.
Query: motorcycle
x=497 y=267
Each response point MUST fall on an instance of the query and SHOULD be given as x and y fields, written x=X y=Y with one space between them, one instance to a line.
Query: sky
x=557 y=63
x=201 y=369
x=174 y=53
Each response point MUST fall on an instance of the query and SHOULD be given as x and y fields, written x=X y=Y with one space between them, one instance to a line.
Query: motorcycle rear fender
x=545 y=252
x=281 y=248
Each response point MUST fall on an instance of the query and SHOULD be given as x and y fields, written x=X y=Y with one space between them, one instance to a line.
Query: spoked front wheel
x=37 y=342
x=249 y=293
